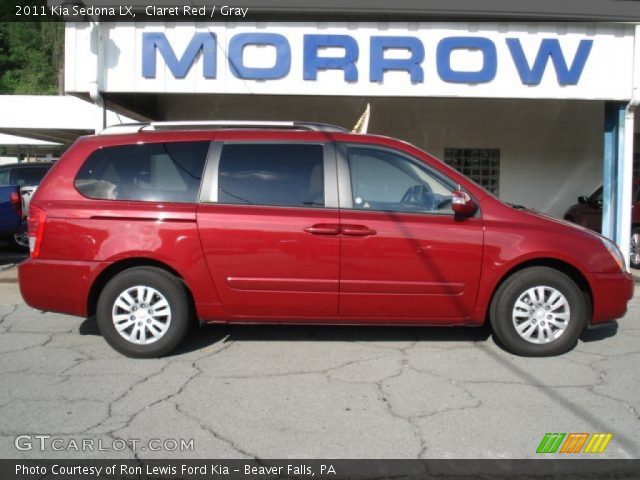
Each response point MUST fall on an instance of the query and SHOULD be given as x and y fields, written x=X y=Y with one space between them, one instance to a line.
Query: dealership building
x=539 y=113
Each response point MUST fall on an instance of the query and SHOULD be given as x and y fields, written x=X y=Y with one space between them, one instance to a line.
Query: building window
x=482 y=165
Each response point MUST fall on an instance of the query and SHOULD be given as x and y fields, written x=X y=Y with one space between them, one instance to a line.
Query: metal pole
x=610 y=198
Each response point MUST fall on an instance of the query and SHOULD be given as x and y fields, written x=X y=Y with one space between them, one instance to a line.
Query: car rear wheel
x=634 y=257
x=19 y=241
x=538 y=312
x=144 y=312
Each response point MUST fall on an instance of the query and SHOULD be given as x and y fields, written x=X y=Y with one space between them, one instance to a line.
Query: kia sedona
x=153 y=227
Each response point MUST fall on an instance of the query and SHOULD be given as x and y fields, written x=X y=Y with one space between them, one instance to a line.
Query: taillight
x=35 y=229
x=16 y=201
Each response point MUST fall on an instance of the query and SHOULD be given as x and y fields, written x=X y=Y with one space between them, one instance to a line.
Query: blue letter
x=179 y=68
x=283 y=55
x=549 y=47
x=313 y=63
x=379 y=64
x=489 y=59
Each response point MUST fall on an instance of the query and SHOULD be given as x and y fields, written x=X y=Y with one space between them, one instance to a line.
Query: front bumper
x=611 y=293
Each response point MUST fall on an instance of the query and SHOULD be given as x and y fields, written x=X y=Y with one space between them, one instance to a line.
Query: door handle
x=357 y=230
x=323 y=229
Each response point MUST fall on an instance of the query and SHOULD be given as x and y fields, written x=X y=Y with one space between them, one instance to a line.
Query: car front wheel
x=143 y=312
x=538 y=312
x=634 y=257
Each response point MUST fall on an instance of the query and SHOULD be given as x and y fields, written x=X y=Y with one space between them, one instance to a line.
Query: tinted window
x=154 y=172
x=271 y=174
x=30 y=175
x=382 y=180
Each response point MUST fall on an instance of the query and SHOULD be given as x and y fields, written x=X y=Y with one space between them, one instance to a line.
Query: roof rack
x=220 y=124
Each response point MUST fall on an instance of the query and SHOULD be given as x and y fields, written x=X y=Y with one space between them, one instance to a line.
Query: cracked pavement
x=300 y=392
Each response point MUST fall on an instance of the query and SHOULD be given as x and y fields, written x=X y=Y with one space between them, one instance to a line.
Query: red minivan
x=152 y=226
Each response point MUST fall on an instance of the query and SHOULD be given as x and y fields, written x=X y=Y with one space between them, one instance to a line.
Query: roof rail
x=220 y=124
x=122 y=128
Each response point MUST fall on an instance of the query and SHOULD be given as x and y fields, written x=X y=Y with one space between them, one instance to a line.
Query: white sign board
x=563 y=61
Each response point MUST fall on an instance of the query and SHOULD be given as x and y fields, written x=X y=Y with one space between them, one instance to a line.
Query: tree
x=31 y=57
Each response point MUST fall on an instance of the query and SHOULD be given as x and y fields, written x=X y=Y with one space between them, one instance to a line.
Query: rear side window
x=271 y=174
x=30 y=175
x=153 y=172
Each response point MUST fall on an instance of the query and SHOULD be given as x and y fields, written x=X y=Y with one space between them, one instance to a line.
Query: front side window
x=153 y=172
x=289 y=175
x=383 y=180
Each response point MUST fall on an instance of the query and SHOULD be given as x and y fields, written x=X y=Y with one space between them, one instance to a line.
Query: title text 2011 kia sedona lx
x=153 y=226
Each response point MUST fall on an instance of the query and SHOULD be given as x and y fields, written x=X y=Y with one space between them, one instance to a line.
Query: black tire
x=634 y=257
x=168 y=286
x=504 y=301
x=18 y=243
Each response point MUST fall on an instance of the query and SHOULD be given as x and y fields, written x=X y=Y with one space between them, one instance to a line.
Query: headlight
x=615 y=253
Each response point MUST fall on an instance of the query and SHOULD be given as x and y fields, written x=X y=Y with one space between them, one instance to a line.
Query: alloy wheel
x=541 y=314
x=141 y=315
x=635 y=249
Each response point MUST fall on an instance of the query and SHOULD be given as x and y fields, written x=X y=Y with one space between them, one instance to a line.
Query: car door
x=405 y=257
x=269 y=226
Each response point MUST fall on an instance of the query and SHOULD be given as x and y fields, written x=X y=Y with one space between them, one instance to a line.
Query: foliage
x=31 y=57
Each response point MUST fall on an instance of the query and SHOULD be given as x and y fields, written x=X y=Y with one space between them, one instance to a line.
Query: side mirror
x=582 y=199
x=461 y=204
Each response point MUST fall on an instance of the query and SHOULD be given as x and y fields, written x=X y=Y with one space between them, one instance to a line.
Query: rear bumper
x=57 y=286
x=611 y=293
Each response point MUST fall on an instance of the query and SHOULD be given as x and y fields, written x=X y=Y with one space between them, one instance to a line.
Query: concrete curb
x=9 y=275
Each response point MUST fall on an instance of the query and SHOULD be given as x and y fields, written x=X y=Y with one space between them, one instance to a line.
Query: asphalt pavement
x=300 y=392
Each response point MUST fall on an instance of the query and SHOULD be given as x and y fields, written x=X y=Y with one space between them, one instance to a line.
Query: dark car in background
x=588 y=213
x=18 y=182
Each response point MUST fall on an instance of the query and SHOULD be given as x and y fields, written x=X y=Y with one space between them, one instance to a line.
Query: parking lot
x=288 y=392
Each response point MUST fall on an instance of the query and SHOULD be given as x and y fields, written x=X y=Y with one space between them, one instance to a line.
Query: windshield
x=596 y=197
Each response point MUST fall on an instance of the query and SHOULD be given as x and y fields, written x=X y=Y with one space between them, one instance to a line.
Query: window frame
x=210 y=181
x=344 y=178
